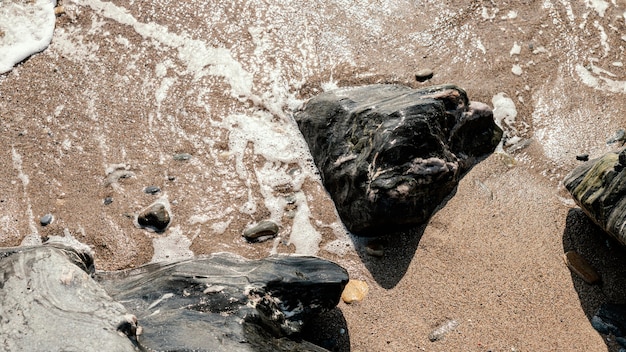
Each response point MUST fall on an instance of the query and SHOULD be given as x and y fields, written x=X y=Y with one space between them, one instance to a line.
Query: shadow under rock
x=326 y=332
x=399 y=246
x=607 y=257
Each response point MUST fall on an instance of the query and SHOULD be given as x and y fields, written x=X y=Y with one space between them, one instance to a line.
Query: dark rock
x=261 y=231
x=582 y=157
x=424 y=75
x=152 y=190
x=222 y=302
x=155 y=217
x=389 y=155
x=598 y=186
x=46 y=220
x=611 y=319
x=108 y=200
x=227 y=303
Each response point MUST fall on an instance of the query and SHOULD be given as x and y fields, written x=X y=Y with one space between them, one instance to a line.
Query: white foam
x=515 y=50
x=595 y=77
x=25 y=28
x=503 y=110
x=174 y=246
x=600 y=6
x=303 y=235
x=200 y=59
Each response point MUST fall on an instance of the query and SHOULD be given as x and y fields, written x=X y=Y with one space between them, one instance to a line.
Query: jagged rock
x=221 y=302
x=598 y=186
x=155 y=217
x=388 y=154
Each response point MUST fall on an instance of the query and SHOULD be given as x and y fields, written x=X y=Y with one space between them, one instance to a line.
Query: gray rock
x=598 y=187
x=155 y=217
x=50 y=303
x=46 y=220
x=152 y=190
x=261 y=231
x=182 y=157
x=389 y=155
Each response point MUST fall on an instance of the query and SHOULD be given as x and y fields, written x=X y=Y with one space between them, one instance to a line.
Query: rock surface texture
x=599 y=188
x=389 y=154
x=222 y=302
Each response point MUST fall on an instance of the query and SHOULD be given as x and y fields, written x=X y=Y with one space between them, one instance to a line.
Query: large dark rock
x=222 y=302
x=599 y=187
x=389 y=155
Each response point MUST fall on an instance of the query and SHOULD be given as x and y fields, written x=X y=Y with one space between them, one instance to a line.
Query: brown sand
x=490 y=258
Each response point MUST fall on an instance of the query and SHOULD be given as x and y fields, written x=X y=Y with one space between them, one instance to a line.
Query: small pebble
x=152 y=190
x=424 y=75
x=582 y=157
x=182 y=157
x=108 y=200
x=355 y=291
x=442 y=330
x=261 y=231
x=375 y=248
x=581 y=267
x=46 y=219
x=154 y=217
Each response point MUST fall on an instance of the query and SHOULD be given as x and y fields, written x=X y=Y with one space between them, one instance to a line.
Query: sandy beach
x=127 y=87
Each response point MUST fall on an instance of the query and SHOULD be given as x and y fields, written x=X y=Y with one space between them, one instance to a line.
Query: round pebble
x=262 y=231
x=46 y=219
x=424 y=75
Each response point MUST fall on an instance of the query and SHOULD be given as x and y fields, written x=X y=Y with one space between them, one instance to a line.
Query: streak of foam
x=200 y=59
x=32 y=238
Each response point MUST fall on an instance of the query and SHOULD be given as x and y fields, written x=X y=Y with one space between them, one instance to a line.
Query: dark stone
x=599 y=187
x=389 y=155
x=224 y=302
x=582 y=157
x=221 y=302
x=152 y=190
x=46 y=220
x=261 y=231
x=610 y=319
x=108 y=200
x=155 y=217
